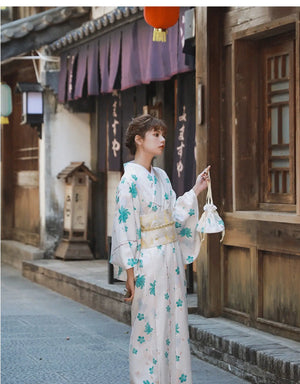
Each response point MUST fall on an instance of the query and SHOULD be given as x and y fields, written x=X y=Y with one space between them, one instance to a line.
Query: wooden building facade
x=23 y=199
x=248 y=89
x=246 y=102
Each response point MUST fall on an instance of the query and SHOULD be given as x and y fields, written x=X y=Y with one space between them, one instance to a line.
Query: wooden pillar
x=98 y=213
x=297 y=109
x=7 y=179
x=208 y=74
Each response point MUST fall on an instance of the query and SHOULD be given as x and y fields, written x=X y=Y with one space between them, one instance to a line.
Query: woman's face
x=153 y=143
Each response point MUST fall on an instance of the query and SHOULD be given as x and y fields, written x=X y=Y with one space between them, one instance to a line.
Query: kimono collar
x=131 y=165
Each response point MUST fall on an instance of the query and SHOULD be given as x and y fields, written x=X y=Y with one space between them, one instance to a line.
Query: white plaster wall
x=65 y=138
x=70 y=141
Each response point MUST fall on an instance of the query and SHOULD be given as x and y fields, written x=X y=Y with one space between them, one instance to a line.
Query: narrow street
x=50 y=339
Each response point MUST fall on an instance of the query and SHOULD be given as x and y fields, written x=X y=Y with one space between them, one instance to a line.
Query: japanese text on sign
x=115 y=144
x=181 y=139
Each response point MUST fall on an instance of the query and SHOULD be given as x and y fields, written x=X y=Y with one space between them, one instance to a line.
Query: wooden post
x=208 y=72
x=297 y=114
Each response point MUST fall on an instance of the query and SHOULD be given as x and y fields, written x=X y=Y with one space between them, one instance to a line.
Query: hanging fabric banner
x=184 y=165
x=157 y=61
x=127 y=54
x=93 y=69
x=141 y=98
x=115 y=47
x=130 y=71
x=114 y=132
x=72 y=66
x=81 y=72
x=103 y=52
x=62 y=78
x=128 y=102
x=102 y=144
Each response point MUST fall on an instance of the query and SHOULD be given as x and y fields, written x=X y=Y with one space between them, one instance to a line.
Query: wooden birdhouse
x=74 y=243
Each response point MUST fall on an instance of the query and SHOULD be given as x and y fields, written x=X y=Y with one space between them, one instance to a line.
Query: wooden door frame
x=13 y=74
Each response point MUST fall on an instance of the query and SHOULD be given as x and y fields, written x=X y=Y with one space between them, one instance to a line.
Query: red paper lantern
x=161 y=18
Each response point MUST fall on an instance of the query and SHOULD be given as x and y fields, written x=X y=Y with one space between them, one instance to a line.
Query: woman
x=154 y=235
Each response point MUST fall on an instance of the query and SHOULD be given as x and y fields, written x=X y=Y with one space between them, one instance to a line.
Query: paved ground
x=49 y=339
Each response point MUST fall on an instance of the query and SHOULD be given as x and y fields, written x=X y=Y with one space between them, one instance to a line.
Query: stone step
x=253 y=355
x=15 y=252
x=87 y=285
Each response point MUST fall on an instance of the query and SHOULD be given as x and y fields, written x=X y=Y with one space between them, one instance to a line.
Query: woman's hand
x=201 y=182
x=129 y=285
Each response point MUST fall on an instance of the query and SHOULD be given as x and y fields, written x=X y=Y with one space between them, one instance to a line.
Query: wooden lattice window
x=279 y=123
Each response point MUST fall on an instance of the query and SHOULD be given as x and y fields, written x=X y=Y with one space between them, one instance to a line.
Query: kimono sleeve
x=185 y=214
x=126 y=231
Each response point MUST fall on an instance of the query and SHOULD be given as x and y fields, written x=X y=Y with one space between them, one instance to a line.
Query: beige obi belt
x=157 y=228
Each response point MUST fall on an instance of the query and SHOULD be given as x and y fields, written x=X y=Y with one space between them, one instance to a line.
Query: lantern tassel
x=160 y=34
x=4 y=120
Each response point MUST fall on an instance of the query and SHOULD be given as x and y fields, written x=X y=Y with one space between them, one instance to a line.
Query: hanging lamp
x=6 y=103
x=161 y=18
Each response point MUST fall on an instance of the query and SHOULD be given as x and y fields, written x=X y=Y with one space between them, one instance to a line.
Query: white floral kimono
x=156 y=234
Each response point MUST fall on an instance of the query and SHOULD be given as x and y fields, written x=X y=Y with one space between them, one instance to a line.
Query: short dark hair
x=139 y=126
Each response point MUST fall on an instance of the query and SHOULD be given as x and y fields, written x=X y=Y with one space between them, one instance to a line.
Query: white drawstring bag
x=210 y=221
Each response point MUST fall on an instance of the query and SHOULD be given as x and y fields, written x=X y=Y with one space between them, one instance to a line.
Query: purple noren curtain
x=93 y=69
x=130 y=75
x=142 y=60
x=81 y=71
x=72 y=59
x=156 y=59
x=62 y=78
x=103 y=51
x=115 y=47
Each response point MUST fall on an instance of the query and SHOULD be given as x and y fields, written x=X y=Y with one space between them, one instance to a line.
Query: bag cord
x=209 y=199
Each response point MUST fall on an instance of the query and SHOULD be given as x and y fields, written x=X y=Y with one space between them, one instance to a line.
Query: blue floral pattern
x=148 y=329
x=152 y=288
x=124 y=213
x=133 y=190
x=140 y=281
x=186 y=232
x=179 y=303
x=189 y=259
